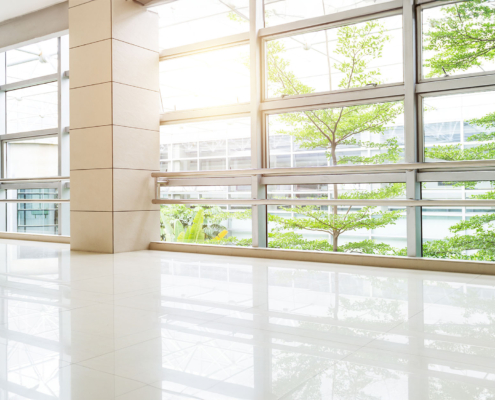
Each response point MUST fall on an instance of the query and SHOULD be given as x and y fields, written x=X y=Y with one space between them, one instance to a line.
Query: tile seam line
x=78 y=5
x=118 y=211
x=122 y=126
x=112 y=38
x=113 y=81
x=123 y=169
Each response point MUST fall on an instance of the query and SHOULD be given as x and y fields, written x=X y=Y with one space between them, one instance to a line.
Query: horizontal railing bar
x=337 y=97
x=29 y=82
x=29 y=134
x=328 y=19
x=455 y=176
x=206 y=45
x=334 y=202
x=337 y=170
x=455 y=83
x=206 y=181
x=398 y=177
x=55 y=201
x=30 y=185
x=43 y=179
x=174 y=116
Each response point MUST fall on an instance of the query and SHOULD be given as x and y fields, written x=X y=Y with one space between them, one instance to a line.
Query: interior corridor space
x=151 y=325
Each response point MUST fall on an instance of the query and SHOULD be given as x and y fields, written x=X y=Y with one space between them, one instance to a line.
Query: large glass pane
x=353 y=56
x=480 y=190
x=190 y=21
x=209 y=79
x=40 y=218
x=206 y=145
x=219 y=225
x=459 y=127
x=206 y=192
x=32 y=61
x=363 y=134
x=371 y=230
x=33 y=108
x=32 y=158
x=283 y=11
x=458 y=38
x=363 y=230
x=459 y=232
x=462 y=233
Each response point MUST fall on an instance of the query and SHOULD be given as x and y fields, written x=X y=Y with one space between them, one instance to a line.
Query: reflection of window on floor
x=37 y=217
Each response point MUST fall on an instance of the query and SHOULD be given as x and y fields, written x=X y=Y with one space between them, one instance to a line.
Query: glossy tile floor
x=156 y=326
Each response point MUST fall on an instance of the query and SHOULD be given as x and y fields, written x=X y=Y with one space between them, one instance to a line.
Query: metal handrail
x=28 y=180
x=337 y=170
x=333 y=202
x=53 y=201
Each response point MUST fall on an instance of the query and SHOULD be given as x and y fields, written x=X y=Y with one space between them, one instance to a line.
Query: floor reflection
x=156 y=326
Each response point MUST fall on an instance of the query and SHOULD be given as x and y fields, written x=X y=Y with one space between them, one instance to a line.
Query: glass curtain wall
x=333 y=101
x=34 y=137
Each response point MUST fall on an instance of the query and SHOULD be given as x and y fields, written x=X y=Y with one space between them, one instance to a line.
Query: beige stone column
x=114 y=125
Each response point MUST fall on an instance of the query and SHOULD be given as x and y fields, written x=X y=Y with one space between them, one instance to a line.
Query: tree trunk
x=335 y=210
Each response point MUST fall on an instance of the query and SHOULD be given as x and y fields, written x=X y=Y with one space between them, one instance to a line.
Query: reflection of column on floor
x=3 y=316
x=262 y=350
x=65 y=332
x=417 y=386
x=3 y=125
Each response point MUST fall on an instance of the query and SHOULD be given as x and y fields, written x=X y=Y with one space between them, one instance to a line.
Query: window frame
x=411 y=91
x=61 y=133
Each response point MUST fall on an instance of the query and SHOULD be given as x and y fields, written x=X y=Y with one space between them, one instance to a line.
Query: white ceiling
x=15 y=8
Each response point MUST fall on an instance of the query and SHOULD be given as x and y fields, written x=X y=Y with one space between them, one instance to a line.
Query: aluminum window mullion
x=3 y=131
x=456 y=176
x=201 y=47
x=30 y=134
x=343 y=17
x=63 y=134
x=413 y=214
x=460 y=83
x=29 y=82
x=335 y=98
x=258 y=190
x=205 y=113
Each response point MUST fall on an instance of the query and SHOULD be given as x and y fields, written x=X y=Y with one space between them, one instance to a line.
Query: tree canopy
x=462 y=38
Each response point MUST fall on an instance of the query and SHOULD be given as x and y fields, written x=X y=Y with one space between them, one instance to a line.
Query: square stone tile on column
x=91 y=148
x=135 y=230
x=135 y=66
x=90 y=22
x=133 y=26
x=92 y=231
x=135 y=107
x=92 y=190
x=134 y=190
x=136 y=148
x=91 y=64
x=91 y=106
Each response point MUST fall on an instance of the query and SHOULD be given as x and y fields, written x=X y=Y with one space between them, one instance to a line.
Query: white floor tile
x=153 y=326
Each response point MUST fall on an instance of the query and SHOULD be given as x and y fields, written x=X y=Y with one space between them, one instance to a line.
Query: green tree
x=464 y=37
x=357 y=46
